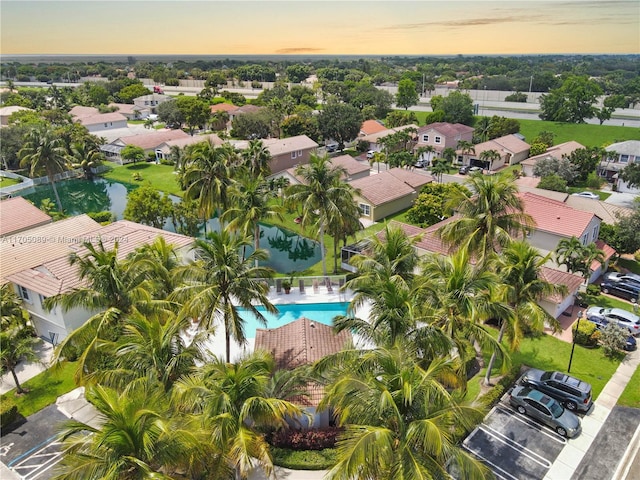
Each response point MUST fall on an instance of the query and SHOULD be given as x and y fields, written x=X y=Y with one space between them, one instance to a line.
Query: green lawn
x=7 y=182
x=44 y=389
x=631 y=395
x=629 y=264
x=161 y=177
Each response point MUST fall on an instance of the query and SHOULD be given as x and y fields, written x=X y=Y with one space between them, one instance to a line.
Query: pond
x=288 y=251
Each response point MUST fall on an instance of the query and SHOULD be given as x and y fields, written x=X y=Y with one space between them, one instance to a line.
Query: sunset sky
x=322 y=27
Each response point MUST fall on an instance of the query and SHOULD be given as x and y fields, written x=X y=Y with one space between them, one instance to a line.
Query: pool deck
x=216 y=344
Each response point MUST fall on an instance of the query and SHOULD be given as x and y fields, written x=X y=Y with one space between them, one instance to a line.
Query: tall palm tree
x=439 y=166
x=449 y=154
x=490 y=156
x=141 y=437
x=86 y=155
x=483 y=128
x=257 y=158
x=16 y=345
x=208 y=177
x=466 y=147
x=578 y=257
x=159 y=259
x=488 y=215
x=11 y=311
x=45 y=152
x=230 y=400
x=340 y=227
x=519 y=267
x=398 y=417
x=321 y=196
x=250 y=199
x=113 y=289
x=220 y=282
x=457 y=296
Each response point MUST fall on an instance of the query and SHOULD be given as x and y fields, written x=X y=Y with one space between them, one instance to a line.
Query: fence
x=78 y=172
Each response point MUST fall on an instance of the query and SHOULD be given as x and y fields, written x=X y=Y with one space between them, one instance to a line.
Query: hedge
x=304 y=459
x=587 y=335
x=494 y=395
x=305 y=439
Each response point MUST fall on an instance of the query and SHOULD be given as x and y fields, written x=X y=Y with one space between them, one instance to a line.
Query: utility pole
x=530 y=84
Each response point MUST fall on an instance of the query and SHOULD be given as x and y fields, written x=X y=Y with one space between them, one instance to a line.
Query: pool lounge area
x=216 y=342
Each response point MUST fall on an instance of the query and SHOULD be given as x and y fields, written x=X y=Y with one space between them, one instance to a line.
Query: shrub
x=102 y=217
x=304 y=460
x=585 y=333
x=362 y=146
x=516 y=97
x=553 y=182
x=494 y=395
x=8 y=412
x=305 y=439
x=593 y=290
x=594 y=181
x=166 y=161
x=613 y=338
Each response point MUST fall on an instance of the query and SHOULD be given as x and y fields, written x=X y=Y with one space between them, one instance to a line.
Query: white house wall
x=623 y=187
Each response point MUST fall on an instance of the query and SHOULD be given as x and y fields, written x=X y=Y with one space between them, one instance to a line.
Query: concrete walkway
x=575 y=450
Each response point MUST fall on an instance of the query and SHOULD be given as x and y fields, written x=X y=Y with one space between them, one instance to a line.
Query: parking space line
x=47 y=441
x=540 y=427
x=485 y=460
x=34 y=470
x=512 y=444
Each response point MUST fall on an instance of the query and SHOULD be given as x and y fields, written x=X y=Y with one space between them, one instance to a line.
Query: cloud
x=299 y=50
x=469 y=22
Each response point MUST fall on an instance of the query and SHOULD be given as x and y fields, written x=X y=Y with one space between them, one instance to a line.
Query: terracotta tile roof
x=152 y=140
x=555 y=217
x=247 y=109
x=279 y=146
x=557 y=151
x=101 y=118
x=18 y=214
x=189 y=140
x=415 y=180
x=127 y=108
x=223 y=107
x=56 y=275
x=608 y=212
x=446 y=129
x=42 y=244
x=302 y=342
x=558 y=277
x=608 y=253
x=512 y=143
x=80 y=111
x=351 y=165
x=371 y=126
x=382 y=188
x=429 y=240
x=374 y=137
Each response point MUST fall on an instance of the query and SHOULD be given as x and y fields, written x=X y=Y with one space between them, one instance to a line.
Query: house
x=223 y=107
x=374 y=138
x=18 y=214
x=149 y=142
x=354 y=170
x=608 y=212
x=103 y=121
x=6 y=112
x=233 y=114
x=369 y=127
x=557 y=151
x=555 y=221
x=151 y=101
x=388 y=192
x=132 y=112
x=511 y=149
x=619 y=155
x=285 y=152
x=441 y=135
x=37 y=263
x=303 y=342
x=164 y=149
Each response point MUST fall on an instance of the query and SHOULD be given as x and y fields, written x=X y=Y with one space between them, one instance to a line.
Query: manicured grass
x=631 y=395
x=44 y=388
x=304 y=459
x=585 y=134
x=608 y=302
x=136 y=122
x=161 y=177
x=629 y=264
x=7 y=182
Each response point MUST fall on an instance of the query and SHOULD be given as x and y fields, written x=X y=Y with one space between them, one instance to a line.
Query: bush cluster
x=311 y=439
x=494 y=395
x=586 y=333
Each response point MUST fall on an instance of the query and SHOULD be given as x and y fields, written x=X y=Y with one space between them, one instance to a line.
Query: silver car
x=602 y=316
x=534 y=403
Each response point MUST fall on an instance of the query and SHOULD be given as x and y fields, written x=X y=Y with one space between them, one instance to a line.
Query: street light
x=573 y=346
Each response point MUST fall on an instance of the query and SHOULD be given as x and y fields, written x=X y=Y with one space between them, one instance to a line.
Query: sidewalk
x=575 y=450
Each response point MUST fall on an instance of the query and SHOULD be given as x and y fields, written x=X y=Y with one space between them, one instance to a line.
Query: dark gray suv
x=572 y=392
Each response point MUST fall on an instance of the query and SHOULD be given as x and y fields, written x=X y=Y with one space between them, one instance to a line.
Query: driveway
x=622 y=199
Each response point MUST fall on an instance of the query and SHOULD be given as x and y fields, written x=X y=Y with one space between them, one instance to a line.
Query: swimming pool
x=319 y=312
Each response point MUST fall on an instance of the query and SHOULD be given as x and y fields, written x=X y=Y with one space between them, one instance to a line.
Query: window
x=595 y=233
x=366 y=209
x=624 y=158
x=106 y=125
x=437 y=139
x=24 y=293
x=293 y=155
x=425 y=138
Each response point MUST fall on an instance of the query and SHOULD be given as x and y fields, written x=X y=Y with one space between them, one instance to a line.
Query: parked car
x=331 y=147
x=571 y=392
x=627 y=289
x=590 y=195
x=370 y=153
x=464 y=170
x=475 y=169
x=420 y=164
x=630 y=344
x=601 y=316
x=536 y=404
x=619 y=276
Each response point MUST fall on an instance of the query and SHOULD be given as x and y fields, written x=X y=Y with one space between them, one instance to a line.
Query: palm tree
x=398 y=417
x=230 y=400
x=490 y=156
x=519 y=267
x=439 y=166
x=16 y=344
x=378 y=157
x=488 y=216
x=86 y=155
x=483 y=127
x=344 y=225
x=577 y=257
x=113 y=289
x=257 y=158
x=11 y=310
x=208 y=177
x=321 y=196
x=466 y=148
x=159 y=260
x=449 y=154
x=250 y=198
x=458 y=296
x=141 y=437
x=220 y=282
x=43 y=151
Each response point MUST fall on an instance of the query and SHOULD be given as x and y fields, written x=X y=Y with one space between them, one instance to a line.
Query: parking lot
x=514 y=446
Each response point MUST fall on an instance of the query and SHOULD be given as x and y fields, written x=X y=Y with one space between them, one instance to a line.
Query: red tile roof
x=386 y=186
x=555 y=217
x=223 y=107
x=608 y=253
x=446 y=129
x=371 y=126
x=350 y=164
x=559 y=277
x=153 y=140
x=557 y=151
x=18 y=214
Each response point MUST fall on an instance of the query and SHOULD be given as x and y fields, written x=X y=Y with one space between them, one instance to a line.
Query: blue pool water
x=319 y=312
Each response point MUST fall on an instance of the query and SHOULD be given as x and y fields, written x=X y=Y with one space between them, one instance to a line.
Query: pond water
x=288 y=251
